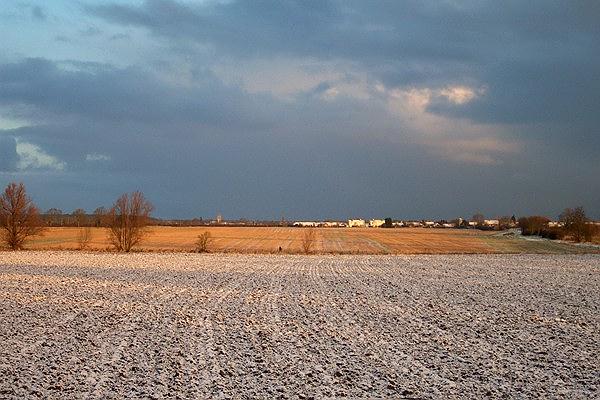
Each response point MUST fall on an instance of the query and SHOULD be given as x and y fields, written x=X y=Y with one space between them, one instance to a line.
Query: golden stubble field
x=327 y=240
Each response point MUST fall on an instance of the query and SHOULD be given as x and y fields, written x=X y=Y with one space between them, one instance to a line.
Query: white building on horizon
x=491 y=222
x=376 y=223
x=306 y=223
x=356 y=223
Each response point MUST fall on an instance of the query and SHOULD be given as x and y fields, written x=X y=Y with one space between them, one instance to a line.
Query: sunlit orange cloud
x=456 y=139
x=460 y=94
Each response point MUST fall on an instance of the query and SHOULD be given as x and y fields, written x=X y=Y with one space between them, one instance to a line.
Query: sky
x=308 y=109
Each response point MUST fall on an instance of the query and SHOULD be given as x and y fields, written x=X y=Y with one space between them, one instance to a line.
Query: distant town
x=390 y=223
x=56 y=217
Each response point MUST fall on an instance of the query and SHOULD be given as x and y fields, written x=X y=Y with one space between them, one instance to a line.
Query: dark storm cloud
x=8 y=153
x=538 y=61
x=95 y=103
x=168 y=125
x=119 y=36
x=242 y=27
x=90 y=31
x=246 y=155
x=101 y=92
x=394 y=31
x=38 y=13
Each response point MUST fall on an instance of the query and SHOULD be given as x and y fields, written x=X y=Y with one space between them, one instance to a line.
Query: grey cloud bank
x=312 y=109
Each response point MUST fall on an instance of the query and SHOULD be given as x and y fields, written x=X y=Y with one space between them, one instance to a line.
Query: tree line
x=126 y=220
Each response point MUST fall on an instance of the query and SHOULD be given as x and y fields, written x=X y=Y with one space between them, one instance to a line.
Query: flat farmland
x=231 y=326
x=327 y=240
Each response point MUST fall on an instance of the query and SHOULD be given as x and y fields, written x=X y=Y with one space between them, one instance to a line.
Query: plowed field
x=107 y=326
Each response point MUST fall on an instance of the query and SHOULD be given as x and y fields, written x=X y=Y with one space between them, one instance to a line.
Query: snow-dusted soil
x=77 y=325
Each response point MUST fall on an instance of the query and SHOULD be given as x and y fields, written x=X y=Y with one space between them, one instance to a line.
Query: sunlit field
x=327 y=240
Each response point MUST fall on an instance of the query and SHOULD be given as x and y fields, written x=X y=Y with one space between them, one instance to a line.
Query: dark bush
x=553 y=233
x=533 y=225
x=578 y=225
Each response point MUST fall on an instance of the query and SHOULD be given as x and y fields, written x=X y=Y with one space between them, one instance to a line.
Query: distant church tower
x=219 y=218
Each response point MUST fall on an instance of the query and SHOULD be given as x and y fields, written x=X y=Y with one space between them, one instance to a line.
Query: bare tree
x=19 y=217
x=308 y=240
x=54 y=217
x=202 y=242
x=84 y=237
x=128 y=219
x=478 y=218
x=80 y=217
x=100 y=216
x=504 y=222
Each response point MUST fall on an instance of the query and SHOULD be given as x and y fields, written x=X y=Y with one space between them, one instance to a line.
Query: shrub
x=533 y=225
x=84 y=237
x=202 y=242
x=308 y=240
x=553 y=233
